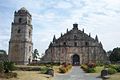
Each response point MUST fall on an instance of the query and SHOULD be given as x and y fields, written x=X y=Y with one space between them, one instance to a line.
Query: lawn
x=112 y=77
x=30 y=75
x=115 y=76
x=99 y=69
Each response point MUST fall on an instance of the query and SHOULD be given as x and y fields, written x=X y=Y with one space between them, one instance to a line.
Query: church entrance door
x=76 y=60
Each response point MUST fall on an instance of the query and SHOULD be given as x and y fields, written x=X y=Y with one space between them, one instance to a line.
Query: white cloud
x=63 y=4
x=53 y=17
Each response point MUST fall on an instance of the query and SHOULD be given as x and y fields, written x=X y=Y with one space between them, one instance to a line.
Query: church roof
x=23 y=9
x=73 y=35
x=75 y=32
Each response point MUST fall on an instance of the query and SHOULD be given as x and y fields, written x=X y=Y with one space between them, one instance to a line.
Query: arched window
x=75 y=44
x=20 y=20
x=28 y=21
x=29 y=48
x=64 y=43
x=75 y=37
x=86 y=43
x=18 y=31
x=29 y=33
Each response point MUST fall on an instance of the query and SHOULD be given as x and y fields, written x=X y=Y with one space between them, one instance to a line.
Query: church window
x=20 y=20
x=18 y=31
x=28 y=21
x=29 y=48
x=64 y=43
x=75 y=44
x=86 y=43
x=29 y=33
x=75 y=37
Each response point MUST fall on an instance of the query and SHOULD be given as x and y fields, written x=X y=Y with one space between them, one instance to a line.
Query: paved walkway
x=76 y=74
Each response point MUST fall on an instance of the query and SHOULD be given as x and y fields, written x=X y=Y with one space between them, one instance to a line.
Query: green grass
x=112 y=77
x=99 y=69
x=115 y=77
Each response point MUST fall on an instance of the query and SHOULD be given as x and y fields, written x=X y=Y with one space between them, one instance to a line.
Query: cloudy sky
x=49 y=17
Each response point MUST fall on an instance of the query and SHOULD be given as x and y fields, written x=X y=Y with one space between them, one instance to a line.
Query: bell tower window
x=20 y=20
x=28 y=21
x=29 y=48
x=29 y=33
x=18 y=31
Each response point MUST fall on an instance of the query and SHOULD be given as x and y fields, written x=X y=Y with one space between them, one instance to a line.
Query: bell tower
x=20 y=44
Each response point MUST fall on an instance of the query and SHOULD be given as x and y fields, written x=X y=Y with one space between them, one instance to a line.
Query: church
x=75 y=47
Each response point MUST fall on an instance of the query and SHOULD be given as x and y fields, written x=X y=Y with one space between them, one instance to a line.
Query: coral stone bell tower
x=20 y=44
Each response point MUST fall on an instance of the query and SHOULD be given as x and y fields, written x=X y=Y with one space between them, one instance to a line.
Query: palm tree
x=35 y=54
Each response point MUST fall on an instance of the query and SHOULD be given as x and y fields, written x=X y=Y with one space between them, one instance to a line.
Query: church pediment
x=74 y=37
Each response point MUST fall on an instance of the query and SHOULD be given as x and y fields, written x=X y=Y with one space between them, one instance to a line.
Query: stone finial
x=67 y=30
x=75 y=26
x=89 y=34
x=61 y=34
x=15 y=12
x=54 y=38
x=96 y=38
x=83 y=30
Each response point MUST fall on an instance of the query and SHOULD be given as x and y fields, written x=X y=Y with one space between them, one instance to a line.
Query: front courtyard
x=74 y=73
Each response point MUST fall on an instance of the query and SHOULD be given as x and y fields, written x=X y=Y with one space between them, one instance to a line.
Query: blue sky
x=49 y=17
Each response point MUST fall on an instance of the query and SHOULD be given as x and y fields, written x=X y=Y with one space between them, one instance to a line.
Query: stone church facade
x=20 y=44
x=75 y=47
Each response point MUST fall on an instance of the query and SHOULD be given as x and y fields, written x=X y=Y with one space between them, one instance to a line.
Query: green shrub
x=63 y=70
x=44 y=70
x=111 y=71
x=8 y=66
x=28 y=68
x=99 y=64
x=90 y=70
x=116 y=67
x=1 y=67
x=8 y=75
x=5 y=67
x=84 y=67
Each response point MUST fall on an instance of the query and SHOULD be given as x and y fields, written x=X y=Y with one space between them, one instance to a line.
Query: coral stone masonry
x=20 y=44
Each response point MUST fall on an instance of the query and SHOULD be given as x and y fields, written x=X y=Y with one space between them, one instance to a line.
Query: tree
x=3 y=56
x=35 y=54
x=115 y=55
x=3 y=51
x=109 y=52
